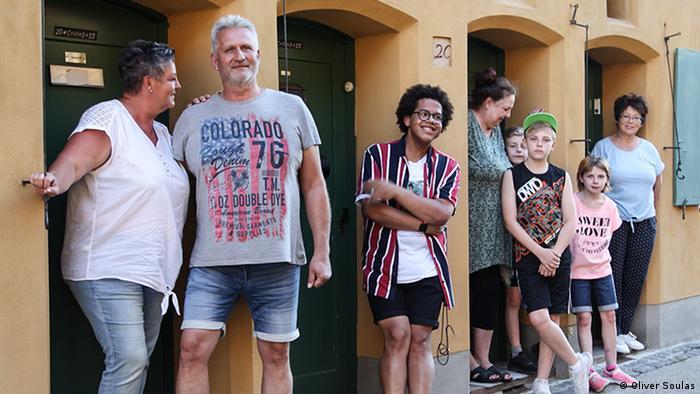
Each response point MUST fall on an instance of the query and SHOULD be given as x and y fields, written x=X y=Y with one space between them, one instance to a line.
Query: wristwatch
x=423 y=227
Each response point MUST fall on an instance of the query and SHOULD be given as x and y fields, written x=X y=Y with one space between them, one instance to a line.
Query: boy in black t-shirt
x=539 y=211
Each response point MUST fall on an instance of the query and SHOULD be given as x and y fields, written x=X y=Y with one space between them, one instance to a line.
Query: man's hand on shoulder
x=319 y=270
x=200 y=99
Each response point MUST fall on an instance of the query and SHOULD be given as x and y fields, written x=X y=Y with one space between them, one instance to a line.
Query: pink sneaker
x=618 y=376
x=597 y=382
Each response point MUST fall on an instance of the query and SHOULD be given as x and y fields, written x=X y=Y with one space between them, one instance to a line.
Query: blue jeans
x=272 y=292
x=582 y=291
x=125 y=318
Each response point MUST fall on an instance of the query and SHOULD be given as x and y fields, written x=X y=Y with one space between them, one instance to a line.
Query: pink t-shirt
x=589 y=248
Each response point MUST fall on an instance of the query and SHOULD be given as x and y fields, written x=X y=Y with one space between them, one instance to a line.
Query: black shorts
x=419 y=301
x=514 y=279
x=509 y=276
x=541 y=292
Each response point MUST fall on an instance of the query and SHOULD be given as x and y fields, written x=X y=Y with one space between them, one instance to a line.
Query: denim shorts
x=603 y=289
x=272 y=292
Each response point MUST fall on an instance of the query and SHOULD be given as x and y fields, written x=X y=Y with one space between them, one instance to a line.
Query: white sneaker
x=541 y=386
x=631 y=341
x=580 y=377
x=622 y=346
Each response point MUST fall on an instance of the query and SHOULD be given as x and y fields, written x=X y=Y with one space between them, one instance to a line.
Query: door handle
x=26 y=182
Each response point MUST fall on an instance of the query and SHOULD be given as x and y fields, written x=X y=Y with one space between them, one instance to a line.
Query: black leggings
x=630 y=249
x=484 y=296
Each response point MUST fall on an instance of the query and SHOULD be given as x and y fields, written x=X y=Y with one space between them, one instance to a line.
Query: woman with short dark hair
x=636 y=183
x=126 y=208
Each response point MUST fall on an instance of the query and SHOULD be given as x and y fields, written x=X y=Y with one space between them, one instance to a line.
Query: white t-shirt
x=415 y=260
x=124 y=220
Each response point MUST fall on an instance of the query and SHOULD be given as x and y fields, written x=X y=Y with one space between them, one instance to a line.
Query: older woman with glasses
x=636 y=183
x=126 y=208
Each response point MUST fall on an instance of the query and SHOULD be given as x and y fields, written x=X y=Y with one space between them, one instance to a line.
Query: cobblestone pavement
x=674 y=369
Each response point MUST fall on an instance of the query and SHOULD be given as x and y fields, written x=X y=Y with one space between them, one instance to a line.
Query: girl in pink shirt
x=591 y=273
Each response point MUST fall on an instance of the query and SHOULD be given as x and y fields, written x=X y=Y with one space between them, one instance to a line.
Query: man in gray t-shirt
x=251 y=150
x=245 y=156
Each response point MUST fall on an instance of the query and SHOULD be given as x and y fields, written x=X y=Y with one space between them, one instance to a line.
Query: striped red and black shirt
x=388 y=162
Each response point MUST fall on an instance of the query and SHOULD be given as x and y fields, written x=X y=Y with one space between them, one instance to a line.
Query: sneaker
x=622 y=346
x=522 y=363
x=617 y=376
x=580 y=377
x=631 y=341
x=596 y=382
x=541 y=386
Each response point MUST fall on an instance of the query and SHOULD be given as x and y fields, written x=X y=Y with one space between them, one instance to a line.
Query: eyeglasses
x=631 y=119
x=424 y=115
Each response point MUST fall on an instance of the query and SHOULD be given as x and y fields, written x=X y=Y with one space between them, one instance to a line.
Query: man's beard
x=237 y=78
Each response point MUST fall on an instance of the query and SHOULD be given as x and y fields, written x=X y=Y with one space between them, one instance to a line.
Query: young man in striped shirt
x=408 y=191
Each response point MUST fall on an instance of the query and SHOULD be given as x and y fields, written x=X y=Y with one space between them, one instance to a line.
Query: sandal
x=483 y=375
x=504 y=376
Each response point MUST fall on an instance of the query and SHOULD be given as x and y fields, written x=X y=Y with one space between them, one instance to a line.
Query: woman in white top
x=635 y=183
x=126 y=209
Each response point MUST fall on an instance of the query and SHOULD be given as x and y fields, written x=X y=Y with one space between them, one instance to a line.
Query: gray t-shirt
x=632 y=177
x=245 y=156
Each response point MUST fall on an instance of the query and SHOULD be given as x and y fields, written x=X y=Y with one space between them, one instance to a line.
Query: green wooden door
x=76 y=357
x=320 y=61
x=594 y=103
x=480 y=56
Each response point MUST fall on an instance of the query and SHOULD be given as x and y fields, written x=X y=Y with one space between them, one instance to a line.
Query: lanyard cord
x=443 y=348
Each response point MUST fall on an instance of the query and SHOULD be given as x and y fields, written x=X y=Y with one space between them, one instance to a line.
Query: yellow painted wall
x=387 y=64
x=24 y=291
x=672 y=264
x=393 y=41
x=640 y=34
x=379 y=57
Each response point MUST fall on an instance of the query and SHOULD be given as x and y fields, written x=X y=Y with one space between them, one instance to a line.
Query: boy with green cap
x=539 y=211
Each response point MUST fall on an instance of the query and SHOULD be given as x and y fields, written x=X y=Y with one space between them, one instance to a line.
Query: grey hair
x=229 y=21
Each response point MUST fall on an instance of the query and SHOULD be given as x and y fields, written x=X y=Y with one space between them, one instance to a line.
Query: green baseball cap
x=545 y=117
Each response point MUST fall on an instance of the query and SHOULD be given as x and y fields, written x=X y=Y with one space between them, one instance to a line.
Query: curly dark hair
x=141 y=58
x=638 y=103
x=488 y=83
x=409 y=102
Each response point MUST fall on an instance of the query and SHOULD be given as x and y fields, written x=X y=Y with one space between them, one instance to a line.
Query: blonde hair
x=587 y=164
x=540 y=125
